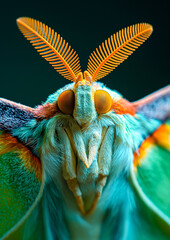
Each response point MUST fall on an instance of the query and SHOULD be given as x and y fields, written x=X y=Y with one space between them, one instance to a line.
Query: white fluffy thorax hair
x=117 y=149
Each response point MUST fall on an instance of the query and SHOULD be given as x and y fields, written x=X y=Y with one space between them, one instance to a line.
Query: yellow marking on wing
x=116 y=49
x=51 y=46
x=143 y=151
x=160 y=137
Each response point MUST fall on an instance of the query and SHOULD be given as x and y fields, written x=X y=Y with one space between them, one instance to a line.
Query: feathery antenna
x=116 y=49
x=51 y=46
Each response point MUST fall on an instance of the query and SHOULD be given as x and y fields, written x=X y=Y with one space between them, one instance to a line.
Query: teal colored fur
x=120 y=214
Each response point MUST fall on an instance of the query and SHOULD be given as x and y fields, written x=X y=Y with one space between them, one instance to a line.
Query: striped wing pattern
x=116 y=49
x=51 y=46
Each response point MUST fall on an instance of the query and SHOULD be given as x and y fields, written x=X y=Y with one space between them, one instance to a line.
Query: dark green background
x=29 y=79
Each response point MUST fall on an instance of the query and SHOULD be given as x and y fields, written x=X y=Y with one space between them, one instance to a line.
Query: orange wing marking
x=11 y=144
x=160 y=137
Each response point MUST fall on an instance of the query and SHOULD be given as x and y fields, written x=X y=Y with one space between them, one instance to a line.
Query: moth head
x=84 y=102
x=67 y=100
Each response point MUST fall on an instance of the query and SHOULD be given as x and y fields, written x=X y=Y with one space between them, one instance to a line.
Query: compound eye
x=66 y=102
x=103 y=101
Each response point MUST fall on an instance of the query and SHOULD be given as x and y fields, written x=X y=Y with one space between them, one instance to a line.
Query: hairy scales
x=122 y=132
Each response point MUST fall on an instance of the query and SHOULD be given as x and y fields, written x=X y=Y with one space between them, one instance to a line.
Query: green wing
x=21 y=180
x=150 y=172
x=20 y=183
x=150 y=177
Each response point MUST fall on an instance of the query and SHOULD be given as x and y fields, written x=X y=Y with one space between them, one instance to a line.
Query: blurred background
x=29 y=79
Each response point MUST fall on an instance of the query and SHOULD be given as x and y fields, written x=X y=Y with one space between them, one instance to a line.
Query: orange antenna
x=116 y=49
x=51 y=46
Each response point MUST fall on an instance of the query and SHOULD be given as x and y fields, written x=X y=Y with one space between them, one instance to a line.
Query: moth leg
x=99 y=188
x=69 y=169
x=104 y=163
x=74 y=187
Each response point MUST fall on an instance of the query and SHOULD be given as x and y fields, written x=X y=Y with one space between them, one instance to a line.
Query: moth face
x=87 y=145
x=84 y=102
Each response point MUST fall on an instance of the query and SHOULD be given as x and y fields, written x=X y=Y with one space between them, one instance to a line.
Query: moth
x=87 y=163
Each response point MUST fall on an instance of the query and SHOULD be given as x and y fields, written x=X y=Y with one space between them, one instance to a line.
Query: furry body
x=112 y=216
